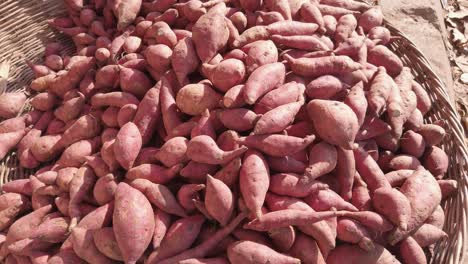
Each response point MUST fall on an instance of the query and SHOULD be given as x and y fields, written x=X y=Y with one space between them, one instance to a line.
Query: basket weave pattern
x=24 y=33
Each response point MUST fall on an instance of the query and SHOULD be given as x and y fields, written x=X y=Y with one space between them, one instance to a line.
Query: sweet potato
x=173 y=152
x=65 y=256
x=398 y=177
x=219 y=260
x=106 y=243
x=382 y=56
x=353 y=232
x=260 y=53
x=153 y=173
x=309 y=43
x=229 y=174
x=54 y=230
x=369 y=170
x=204 y=126
x=413 y=144
x=335 y=114
x=288 y=93
x=193 y=99
x=184 y=59
x=196 y=172
x=369 y=219
x=20 y=186
x=162 y=221
x=187 y=193
x=239 y=119
x=74 y=155
x=126 y=12
x=424 y=203
x=10 y=140
x=352 y=254
x=404 y=162
x=356 y=100
x=117 y=99
x=411 y=252
x=226 y=74
x=428 y=234
x=448 y=188
x=205 y=33
x=24 y=226
x=276 y=145
x=11 y=104
x=254 y=180
x=234 y=98
x=325 y=199
x=80 y=185
x=85 y=248
x=85 y=127
x=160 y=196
x=415 y=120
x=283 y=218
x=134 y=81
x=133 y=221
x=322 y=160
x=256 y=86
x=251 y=252
x=373 y=17
x=179 y=237
x=128 y=144
x=324 y=87
x=315 y=67
x=277 y=119
x=219 y=200
x=203 y=149
x=72 y=74
x=345 y=27
x=436 y=161
x=208 y=245
x=104 y=189
x=394 y=205
x=433 y=134
x=424 y=103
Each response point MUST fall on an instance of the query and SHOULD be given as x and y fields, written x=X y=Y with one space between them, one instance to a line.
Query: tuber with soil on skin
x=223 y=132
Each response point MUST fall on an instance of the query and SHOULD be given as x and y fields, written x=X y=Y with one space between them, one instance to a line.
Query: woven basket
x=24 y=32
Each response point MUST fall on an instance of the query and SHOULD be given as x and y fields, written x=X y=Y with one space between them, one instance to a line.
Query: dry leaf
x=451 y=22
x=457 y=37
x=460 y=14
x=464 y=78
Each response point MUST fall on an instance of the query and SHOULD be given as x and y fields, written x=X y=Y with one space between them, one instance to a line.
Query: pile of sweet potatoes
x=223 y=131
